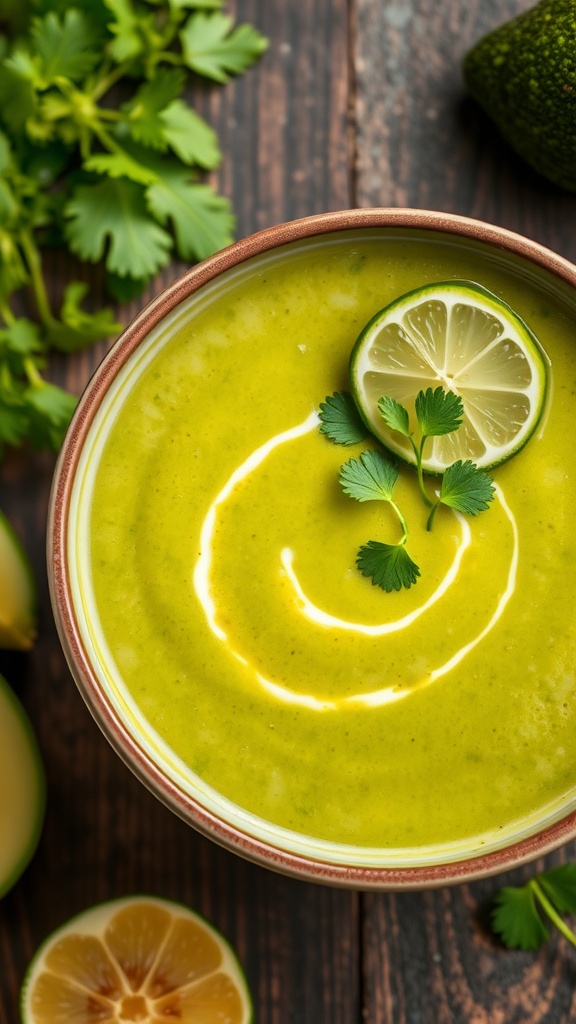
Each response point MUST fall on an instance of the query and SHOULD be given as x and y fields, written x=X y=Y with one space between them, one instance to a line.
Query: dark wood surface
x=356 y=103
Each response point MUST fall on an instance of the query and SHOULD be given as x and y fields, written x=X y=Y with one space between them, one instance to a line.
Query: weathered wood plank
x=283 y=131
x=422 y=142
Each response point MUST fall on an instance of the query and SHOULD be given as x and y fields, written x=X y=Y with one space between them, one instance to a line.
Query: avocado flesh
x=17 y=592
x=524 y=76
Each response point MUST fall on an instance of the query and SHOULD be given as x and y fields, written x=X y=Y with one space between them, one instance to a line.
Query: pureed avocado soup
x=216 y=587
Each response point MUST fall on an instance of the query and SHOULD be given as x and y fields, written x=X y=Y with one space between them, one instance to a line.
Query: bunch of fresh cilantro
x=99 y=153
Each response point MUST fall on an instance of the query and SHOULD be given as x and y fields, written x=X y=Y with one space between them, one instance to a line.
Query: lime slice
x=459 y=336
x=17 y=592
x=136 y=959
x=21 y=789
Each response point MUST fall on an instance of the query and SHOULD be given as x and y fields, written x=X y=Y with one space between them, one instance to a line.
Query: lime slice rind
x=459 y=336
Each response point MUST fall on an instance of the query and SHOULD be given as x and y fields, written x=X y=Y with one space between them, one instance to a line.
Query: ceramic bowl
x=265 y=845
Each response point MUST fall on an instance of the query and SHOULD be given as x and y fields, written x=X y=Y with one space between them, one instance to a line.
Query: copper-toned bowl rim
x=287 y=862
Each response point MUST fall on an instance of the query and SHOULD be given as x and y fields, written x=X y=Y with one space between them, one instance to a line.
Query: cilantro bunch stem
x=552 y=913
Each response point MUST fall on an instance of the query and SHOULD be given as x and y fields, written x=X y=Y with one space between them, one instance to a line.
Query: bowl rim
x=125 y=744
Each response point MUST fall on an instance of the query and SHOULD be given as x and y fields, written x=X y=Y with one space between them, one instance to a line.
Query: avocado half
x=523 y=75
x=17 y=592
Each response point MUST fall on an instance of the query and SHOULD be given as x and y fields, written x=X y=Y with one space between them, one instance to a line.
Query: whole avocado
x=524 y=76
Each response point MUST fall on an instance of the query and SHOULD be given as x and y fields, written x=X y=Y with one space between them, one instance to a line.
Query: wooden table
x=356 y=103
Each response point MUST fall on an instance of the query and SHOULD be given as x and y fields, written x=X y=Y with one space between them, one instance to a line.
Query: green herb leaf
x=144 y=109
x=559 y=884
x=466 y=488
x=13 y=422
x=340 y=419
x=127 y=27
x=208 y=5
x=120 y=165
x=369 y=478
x=65 y=47
x=210 y=48
x=126 y=288
x=516 y=919
x=79 y=328
x=193 y=141
x=389 y=566
x=201 y=219
x=22 y=337
x=112 y=219
x=394 y=415
x=49 y=410
x=18 y=98
x=438 y=412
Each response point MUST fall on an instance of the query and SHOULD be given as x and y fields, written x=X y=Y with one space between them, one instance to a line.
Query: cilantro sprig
x=100 y=153
x=520 y=912
x=372 y=476
x=464 y=488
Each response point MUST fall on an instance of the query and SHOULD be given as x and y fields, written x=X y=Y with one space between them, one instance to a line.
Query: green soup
x=217 y=570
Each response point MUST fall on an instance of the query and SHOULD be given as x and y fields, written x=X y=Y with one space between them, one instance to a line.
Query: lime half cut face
x=458 y=336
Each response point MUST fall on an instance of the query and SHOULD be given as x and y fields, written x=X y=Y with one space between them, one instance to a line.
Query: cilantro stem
x=32 y=256
x=551 y=912
x=31 y=371
x=110 y=79
x=418 y=454
x=435 y=508
x=7 y=314
x=403 y=523
x=168 y=57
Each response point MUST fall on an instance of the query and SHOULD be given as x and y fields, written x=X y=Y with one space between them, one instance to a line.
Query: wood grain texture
x=420 y=141
x=283 y=131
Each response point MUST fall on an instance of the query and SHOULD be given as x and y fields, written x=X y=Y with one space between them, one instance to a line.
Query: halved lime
x=136 y=959
x=22 y=789
x=459 y=336
x=17 y=592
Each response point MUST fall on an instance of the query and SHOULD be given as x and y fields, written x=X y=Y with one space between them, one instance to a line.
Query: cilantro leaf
x=112 y=217
x=389 y=566
x=193 y=141
x=178 y=5
x=394 y=415
x=13 y=422
x=559 y=884
x=125 y=289
x=13 y=272
x=466 y=488
x=201 y=219
x=18 y=97
x=516 y=919
x=210 y=48
x=143 y=110
x=340 y=419
x=77 y=327
x=128 y=28
x=438 y=412
x=120 y=165
x=22 y=337
x=5 y=153
x=369 y=478
x=64 y=47
x=49 y=410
